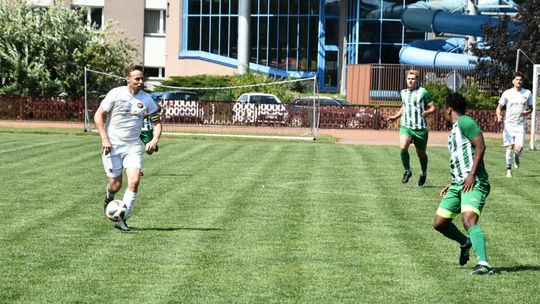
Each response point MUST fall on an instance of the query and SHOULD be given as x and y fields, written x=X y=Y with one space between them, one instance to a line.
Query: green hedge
x=476 y=99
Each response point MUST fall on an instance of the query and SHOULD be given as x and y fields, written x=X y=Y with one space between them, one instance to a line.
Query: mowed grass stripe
x=46 y=180
x=220 y=258
x=332 y=223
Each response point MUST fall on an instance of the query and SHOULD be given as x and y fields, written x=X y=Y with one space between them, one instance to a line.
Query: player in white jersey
x=119 y=119
x=416 y=106
x=518 y=103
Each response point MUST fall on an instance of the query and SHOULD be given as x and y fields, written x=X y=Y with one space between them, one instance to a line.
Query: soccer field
x=242 y=221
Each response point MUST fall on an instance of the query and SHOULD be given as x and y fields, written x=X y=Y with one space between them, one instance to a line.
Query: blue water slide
x=437 y=52
x=441 y=52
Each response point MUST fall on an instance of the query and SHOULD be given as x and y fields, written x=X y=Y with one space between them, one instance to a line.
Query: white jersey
x=516 y=102
x=125 y=113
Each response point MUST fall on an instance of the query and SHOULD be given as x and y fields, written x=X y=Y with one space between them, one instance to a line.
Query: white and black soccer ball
x=116 y=210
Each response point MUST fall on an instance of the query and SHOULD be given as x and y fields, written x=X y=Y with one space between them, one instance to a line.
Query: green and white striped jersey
x=461 y=150
x=414 y=103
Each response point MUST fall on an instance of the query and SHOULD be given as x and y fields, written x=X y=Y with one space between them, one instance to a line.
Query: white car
x=259 y=108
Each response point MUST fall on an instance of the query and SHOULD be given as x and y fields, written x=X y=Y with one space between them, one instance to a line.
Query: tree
x=43 y=51
x=500 y=47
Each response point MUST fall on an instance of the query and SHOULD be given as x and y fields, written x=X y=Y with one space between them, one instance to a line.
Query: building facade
x=143 y=21
x=287 y=38
x=284 y=38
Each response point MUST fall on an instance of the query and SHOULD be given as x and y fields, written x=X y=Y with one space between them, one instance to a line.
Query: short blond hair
x=414 y=72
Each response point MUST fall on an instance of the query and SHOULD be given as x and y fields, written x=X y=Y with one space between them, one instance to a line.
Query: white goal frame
x=534 y=115
x=311 y=135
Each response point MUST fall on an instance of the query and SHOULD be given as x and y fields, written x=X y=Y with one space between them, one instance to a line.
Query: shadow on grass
x=432 y=187
x=527 y=175
x=171 y=175
x=173 y=229
x=499 y=270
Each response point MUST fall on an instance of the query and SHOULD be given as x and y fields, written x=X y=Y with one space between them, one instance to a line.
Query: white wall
x=155 y=4
x=94 y=3
x=154 y=51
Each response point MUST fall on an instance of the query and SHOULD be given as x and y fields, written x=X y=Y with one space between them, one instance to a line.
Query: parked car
x=179 y=106
x=259 y=108
x=175 y=95
x=332 y=113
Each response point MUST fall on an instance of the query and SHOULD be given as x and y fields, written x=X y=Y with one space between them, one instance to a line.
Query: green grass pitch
x=238 y=221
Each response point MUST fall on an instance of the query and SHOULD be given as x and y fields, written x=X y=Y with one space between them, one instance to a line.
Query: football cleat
x=481 y=269
x=406 y=176
x=508 y=173
x=121 y=225
x=464 y=252
x=422 y=180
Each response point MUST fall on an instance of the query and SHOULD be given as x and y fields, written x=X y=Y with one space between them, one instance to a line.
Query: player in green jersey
x=416 y=106
x=469 y=186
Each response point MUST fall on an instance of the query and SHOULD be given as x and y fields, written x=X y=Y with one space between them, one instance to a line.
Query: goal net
x=262 y=110
x=535 y=116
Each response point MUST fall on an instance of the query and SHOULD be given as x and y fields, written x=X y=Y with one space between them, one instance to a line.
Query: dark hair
x=133 y=67
x=457 y=102
x=517 y=74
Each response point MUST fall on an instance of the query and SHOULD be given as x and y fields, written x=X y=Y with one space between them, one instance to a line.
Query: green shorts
x=419 y=137
x=146 y=136
x=455 y=201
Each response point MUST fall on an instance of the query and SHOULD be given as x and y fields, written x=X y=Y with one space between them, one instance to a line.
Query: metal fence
x=224 y=113
x=387 y=80
x=390 y=78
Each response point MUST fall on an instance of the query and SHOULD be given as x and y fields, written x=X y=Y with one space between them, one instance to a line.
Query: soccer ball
x=115 y=210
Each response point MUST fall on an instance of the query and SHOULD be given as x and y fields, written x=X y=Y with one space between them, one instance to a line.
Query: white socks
x=509 y=155
x=129 y=199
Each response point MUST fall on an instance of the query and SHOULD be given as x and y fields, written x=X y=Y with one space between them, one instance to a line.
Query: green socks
x=478 y=241
x=406 y=160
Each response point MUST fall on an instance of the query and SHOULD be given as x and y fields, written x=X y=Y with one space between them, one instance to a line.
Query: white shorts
x=514 y=134
x=122 y=157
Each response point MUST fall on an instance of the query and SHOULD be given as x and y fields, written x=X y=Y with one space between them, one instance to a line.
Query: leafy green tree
x=43 y=51
x=501 y=46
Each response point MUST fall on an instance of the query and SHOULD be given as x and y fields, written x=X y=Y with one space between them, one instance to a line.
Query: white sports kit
x=514 y=123
x=125 y=113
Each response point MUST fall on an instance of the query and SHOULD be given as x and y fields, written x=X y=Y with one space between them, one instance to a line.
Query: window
x=93 y=15
x=212 y=27
x=154 y=22
x=375 y=34
x=151 y=72
x=284 y=34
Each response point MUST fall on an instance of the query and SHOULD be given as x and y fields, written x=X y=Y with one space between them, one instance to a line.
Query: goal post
x=260 y=110
x=535 y=115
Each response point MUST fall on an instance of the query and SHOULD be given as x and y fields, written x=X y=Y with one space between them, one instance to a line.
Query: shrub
x=476 y=98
